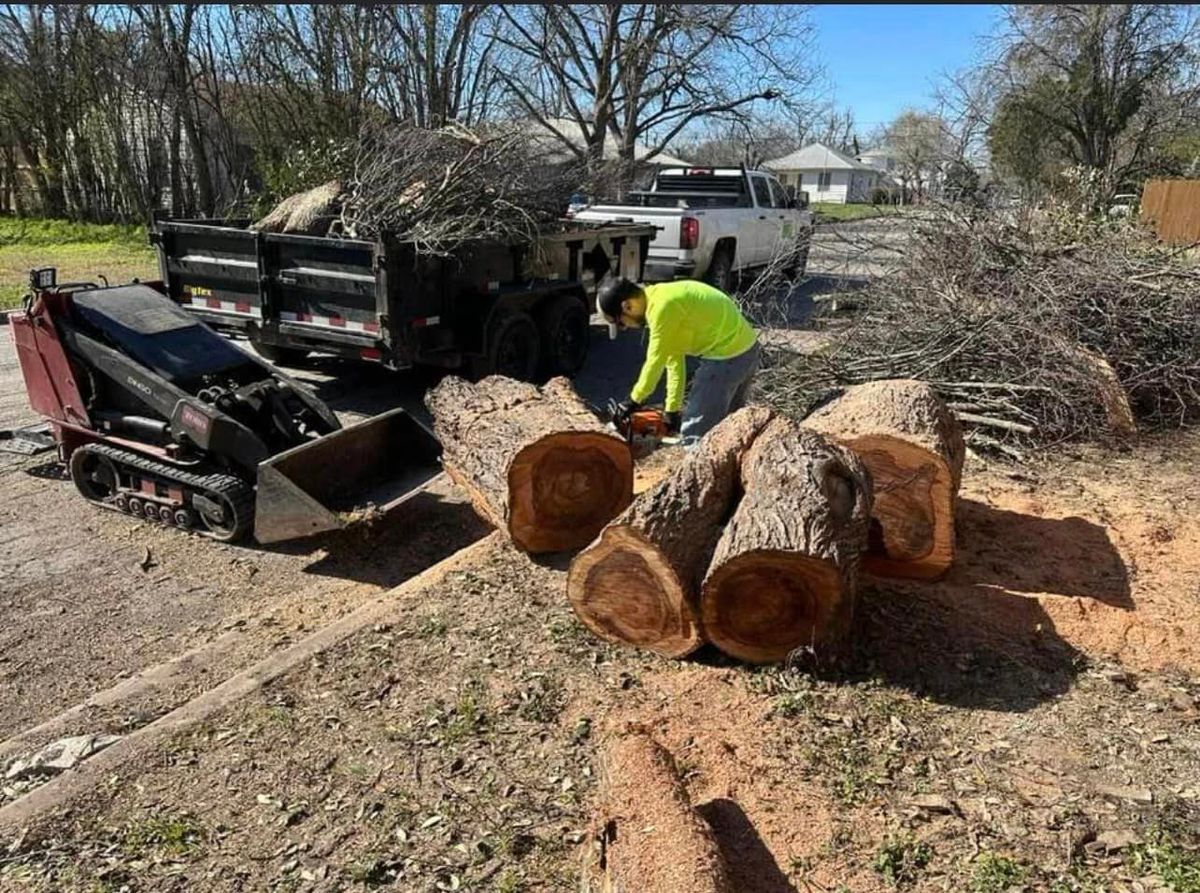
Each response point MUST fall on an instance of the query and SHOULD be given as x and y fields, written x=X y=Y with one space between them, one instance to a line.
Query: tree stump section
x=785 y=571
x=649 y=838
x=639 y=583
x=913 y=446
x=535 y=462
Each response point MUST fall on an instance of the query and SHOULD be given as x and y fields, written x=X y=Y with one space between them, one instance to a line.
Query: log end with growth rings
x=912 y=519
x=763 y=605
x=625 y=592
x=565 y=487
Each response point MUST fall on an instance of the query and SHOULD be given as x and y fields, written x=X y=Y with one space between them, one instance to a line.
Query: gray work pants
x=719 y=387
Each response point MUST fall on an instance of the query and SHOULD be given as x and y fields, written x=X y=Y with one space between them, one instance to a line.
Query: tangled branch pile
x=1033 y=332
x=441 y=188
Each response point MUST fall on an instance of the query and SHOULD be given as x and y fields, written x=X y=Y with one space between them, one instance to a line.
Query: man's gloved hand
x=622 y=411
x=673 y=420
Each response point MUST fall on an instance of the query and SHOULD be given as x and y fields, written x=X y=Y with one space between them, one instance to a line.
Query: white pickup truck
x=714 y=223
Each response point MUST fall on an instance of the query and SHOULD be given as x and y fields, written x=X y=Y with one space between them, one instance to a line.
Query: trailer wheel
x=565 y=332
x=280 y=356
x=512 y=347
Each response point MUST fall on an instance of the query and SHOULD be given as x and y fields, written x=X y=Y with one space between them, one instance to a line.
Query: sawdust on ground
x=1028 y=722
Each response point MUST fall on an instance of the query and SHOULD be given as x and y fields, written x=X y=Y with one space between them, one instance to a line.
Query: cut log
x=785 y=571
x=305 y=213
x=639 y=583
x=535 y=462
x=913 y=446
x=648 y=836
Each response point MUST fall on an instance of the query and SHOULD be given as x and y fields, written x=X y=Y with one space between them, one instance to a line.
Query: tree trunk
x=536 y=462
x=913 y=447
x=648 y=836
x=639 y=583
x=785 y=571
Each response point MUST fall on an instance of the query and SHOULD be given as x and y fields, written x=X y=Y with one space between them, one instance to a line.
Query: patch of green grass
x=1168 y=859
x=510 y=882
x=468 y=716
x=901 y=859
x=995 y=874
x=431 y=627
x=166 y=835
x=81 y=251
x=791 y=704
x=855 y=211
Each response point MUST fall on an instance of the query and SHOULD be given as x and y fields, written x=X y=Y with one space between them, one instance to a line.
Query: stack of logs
x=752 y=542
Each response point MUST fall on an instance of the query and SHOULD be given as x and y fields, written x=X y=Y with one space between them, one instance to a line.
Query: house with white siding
x=826 y=174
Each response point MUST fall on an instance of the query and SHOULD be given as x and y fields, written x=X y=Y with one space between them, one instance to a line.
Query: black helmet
x=612 y=292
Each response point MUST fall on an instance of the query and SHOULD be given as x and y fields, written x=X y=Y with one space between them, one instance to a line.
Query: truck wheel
x=512 y=347
x=565 y=332
x=720 y=269
x=795 y=272
x=280 y=356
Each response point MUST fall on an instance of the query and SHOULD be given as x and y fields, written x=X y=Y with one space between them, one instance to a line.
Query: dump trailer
x=516 y=309
x=158 y=416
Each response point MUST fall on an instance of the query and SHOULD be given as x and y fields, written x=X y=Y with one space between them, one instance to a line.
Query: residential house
x=826 y=174
x=551 y=137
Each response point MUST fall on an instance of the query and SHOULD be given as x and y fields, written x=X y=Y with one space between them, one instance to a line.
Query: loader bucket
x=361 y=471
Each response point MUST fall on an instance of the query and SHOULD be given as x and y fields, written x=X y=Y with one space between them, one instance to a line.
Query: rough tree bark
x=536 y=462
x=649 y=838
x=913 y=446
x=639 y=583
x=785 y=571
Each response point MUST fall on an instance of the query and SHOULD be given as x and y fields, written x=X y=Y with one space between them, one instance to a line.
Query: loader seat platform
x=150 y=328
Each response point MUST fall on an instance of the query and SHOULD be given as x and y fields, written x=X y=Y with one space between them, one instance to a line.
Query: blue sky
x=881 y=59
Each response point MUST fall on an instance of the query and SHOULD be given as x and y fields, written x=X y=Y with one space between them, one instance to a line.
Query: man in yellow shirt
x=686 y=318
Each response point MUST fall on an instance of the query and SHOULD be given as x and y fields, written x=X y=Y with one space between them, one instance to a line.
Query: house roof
x=570 y=129
x=817 y=157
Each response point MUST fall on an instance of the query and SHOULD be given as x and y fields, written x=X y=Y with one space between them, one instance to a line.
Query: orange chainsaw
x=644 y=429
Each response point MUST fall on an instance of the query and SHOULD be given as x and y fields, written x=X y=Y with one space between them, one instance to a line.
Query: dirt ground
x=1029 y=723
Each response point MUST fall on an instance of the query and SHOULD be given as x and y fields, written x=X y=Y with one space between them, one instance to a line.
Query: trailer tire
x=512 y=347
x=720 y=273
x=280 y=356
x=565 y=330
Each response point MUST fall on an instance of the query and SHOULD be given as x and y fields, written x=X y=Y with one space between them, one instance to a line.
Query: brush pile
x=1033 y=332
x=441 y=188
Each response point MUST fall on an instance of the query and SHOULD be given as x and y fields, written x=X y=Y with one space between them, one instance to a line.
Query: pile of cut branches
x=1033 y=332
x=440 y=188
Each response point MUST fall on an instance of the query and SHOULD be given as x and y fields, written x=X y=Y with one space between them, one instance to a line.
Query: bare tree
x=918 y=141
x=642 y=73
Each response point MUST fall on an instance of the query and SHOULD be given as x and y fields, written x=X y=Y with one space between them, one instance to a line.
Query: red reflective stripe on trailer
x=371 y=327
x=371 y=353
x=242 y=306
x=337 y=322
x=213 y=303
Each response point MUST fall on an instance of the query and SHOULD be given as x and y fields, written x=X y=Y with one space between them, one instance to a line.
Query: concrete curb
x=77 y=782
x=148 y=681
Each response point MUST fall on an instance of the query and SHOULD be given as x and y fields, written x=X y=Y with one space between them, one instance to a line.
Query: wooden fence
x=1172 y=207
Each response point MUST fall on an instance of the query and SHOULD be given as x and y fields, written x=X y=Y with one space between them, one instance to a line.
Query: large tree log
x=639 y=583
x=536 y=462
x=913 y=446
x=649 y=839
x=785 y=571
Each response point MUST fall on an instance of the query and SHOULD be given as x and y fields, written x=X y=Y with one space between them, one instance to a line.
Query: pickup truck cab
x=714 y=223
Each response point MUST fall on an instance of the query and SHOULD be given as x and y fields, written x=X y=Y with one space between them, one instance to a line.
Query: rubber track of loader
x=237 y=491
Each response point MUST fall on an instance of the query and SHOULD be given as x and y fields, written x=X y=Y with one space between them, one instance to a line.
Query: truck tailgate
x=666 y=219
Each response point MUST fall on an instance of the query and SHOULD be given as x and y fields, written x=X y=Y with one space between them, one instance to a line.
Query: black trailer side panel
x=213 y=270
x=323 y=287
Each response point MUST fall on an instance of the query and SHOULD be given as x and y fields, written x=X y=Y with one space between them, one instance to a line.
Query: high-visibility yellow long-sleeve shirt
x=687 y=318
